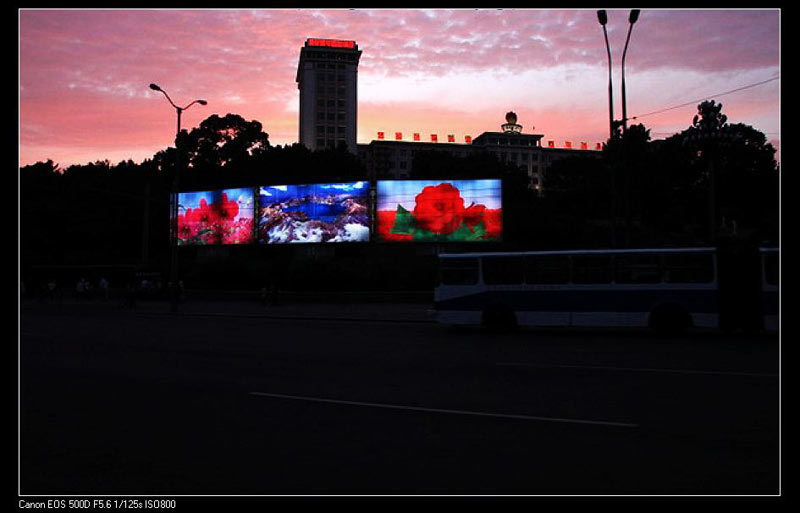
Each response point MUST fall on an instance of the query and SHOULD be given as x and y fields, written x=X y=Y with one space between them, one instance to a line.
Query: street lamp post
x=602 y=17
x=631 y=20
x=173 y=279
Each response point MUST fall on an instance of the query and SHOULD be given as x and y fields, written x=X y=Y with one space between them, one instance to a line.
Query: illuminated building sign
x=468 y=139
x=416 y=136
x=380 y=135
x=434 y=138
x=398 y=136
x=332 y=43
x=584 y=146
x=551 y=144
x=451 y=138
x=598 y=146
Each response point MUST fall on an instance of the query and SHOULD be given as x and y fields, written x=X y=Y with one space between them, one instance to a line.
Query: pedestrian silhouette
x=103 y=286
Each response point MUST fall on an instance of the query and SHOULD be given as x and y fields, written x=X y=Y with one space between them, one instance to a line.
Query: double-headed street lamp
x=173 y=280
x=602 y=17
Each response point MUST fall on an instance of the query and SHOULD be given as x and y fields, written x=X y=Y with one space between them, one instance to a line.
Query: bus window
x=591 y=269
x=547 y=270
x=771 y=268
x=641 y=268
x=502 y=270
x=458 y=271
x=688 y=268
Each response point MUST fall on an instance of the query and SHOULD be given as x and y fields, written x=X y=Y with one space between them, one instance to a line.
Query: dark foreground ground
x=373 y=400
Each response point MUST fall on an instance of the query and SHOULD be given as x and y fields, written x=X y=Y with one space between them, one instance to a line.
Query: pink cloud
x=84 y=73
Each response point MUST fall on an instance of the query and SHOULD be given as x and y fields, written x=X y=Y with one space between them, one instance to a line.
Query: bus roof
x=577 y=252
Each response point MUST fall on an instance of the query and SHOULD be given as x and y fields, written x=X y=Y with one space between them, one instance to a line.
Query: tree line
x=710 y=182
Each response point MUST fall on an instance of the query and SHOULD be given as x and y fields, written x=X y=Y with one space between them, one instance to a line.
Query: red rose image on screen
x=439 y=212
x=439 y=209
x=214 y=224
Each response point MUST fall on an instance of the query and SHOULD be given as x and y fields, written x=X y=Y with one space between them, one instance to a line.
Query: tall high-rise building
x=327 y=77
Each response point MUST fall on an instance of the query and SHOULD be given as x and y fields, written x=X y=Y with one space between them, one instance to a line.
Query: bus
x=668 y=290
x=769 y=287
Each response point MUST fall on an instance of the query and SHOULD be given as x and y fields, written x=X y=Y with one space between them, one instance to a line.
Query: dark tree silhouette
x=709 y=117
x=103 y=213
x=736 y=165
x=219 y=142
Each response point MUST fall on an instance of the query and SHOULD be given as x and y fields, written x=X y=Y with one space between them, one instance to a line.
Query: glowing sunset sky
x=84 y=74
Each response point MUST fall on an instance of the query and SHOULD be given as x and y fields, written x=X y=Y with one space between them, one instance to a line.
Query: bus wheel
x=499 y=318
x=669 y=320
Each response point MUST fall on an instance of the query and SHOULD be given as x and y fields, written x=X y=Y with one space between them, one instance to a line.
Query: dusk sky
x=84 y=74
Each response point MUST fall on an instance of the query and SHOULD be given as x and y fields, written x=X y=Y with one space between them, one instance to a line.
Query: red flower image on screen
x=439 y=212
x=439 y=209
x=223 y=221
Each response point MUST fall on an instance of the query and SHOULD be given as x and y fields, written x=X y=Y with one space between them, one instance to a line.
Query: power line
x=708 y=97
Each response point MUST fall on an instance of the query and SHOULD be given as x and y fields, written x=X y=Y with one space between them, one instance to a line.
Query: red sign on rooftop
x=334 y=43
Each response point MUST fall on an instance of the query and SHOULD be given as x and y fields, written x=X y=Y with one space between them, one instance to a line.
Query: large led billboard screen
x=216 y=217
x=439 y=210
x=323 y=212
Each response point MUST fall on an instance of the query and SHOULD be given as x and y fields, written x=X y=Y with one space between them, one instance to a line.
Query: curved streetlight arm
x=168 y=98
x=179 y=110
x=634 y=15
x=610 y=93
x=624 y=103
x=154 y=87
x=201 y=102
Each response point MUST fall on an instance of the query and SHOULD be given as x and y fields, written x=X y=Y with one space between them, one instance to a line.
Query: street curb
x=289 y=317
